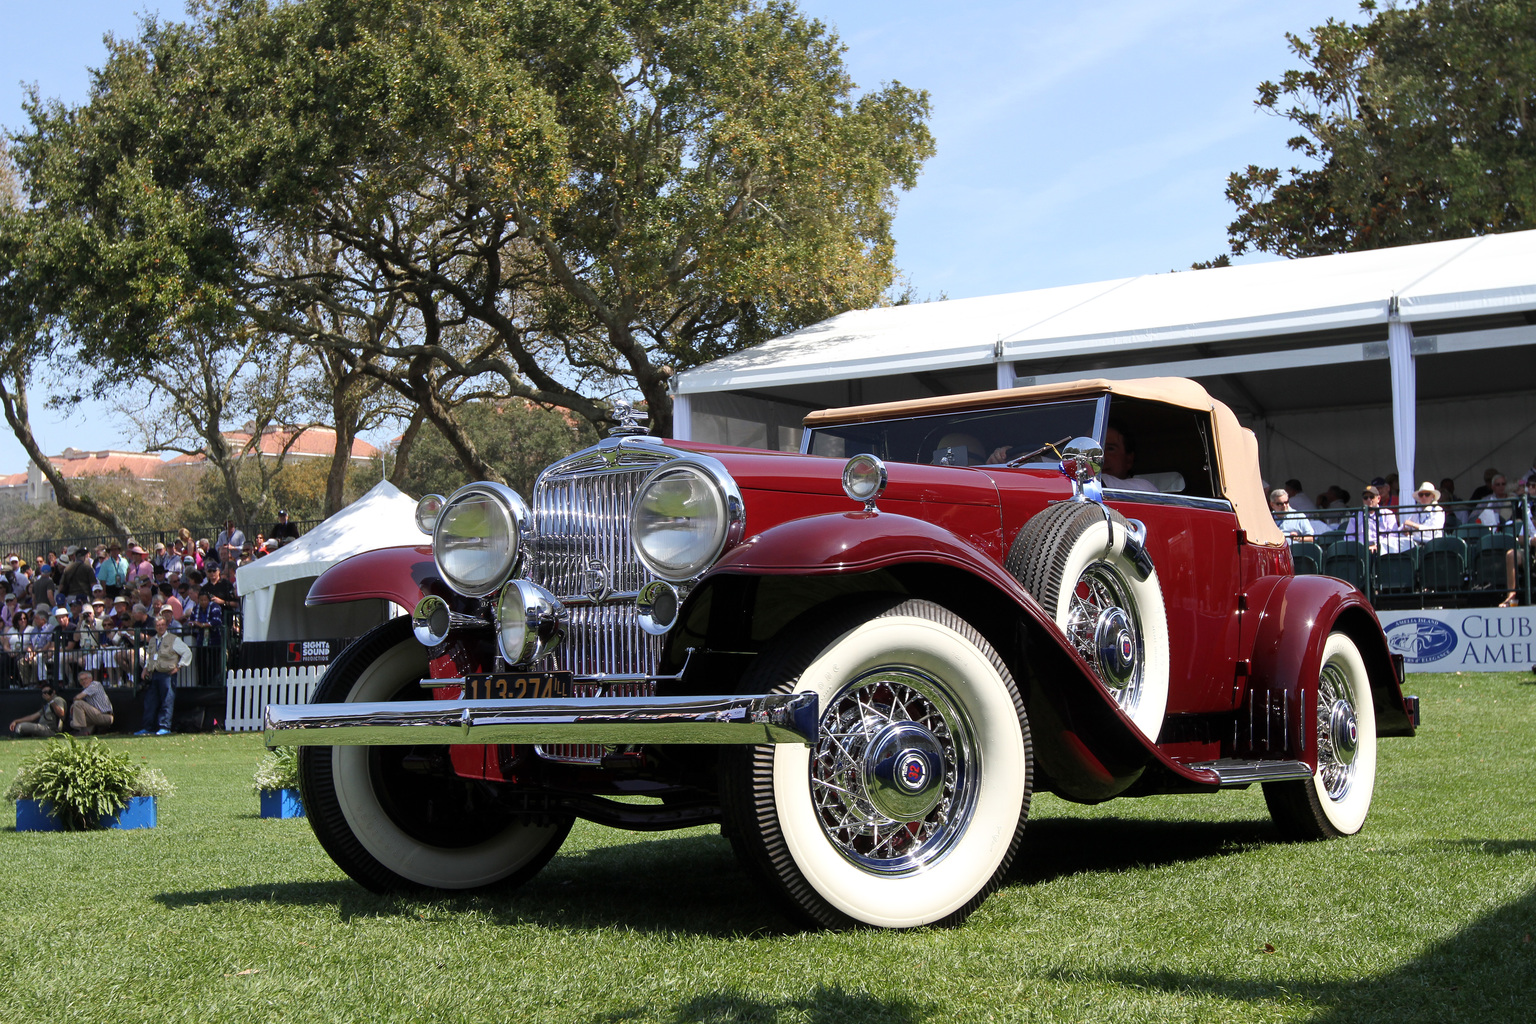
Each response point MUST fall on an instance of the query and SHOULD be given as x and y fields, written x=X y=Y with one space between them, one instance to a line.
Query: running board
x=1234 y=771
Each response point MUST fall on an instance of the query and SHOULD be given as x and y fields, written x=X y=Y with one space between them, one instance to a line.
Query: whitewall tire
x=910 y=808
x=391 y=828
x=1336 y=800
x=1074 y=559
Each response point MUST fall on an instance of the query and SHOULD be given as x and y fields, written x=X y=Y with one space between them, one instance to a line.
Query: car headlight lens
x=530 y=622
x=682 y=518
x=477 y=535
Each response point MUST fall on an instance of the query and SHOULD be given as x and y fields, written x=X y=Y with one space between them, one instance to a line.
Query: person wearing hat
x=283 y=531
x=140 y=568
x=79 y=576
x=113 y=571
x=59 y=650
x=167 y=654
x=219 y=589
x=1426 y=520
x=87 y=652
x=16 y=574
x=11 y=632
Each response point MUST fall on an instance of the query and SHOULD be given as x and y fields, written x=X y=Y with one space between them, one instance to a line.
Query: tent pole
x=1405 y=427
x=682 y=419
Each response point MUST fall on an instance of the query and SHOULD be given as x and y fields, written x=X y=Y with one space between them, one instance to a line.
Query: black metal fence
x=30 y=550
x=114 y=656
x=1463 y=564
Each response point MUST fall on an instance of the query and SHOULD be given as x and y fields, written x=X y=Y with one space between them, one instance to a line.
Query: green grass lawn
x=1165 y=909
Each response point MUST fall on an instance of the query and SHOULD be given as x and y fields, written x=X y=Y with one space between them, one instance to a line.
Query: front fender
x=1083 y=741
x=857 y=542
x=403 y=575
x=1277 y=713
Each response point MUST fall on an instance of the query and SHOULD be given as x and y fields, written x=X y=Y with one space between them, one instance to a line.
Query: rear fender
x=1086 y=748
x=1277 y=710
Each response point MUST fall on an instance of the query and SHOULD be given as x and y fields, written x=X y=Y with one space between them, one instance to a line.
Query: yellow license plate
x=517 y=686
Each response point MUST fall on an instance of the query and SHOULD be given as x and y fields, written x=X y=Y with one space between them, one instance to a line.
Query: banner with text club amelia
x=1463 y=639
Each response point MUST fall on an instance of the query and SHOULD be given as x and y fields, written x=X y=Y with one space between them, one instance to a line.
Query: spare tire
x=1073 y=559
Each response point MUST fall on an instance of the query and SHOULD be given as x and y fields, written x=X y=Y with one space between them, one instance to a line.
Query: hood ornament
x=626 y=420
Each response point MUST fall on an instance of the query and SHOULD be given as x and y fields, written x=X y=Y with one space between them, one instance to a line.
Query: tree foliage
x=1419 y=122
x=518 y=438
x=554 y=200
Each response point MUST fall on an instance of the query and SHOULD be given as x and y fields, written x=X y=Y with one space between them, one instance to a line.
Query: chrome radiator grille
x=582 y=534
x=580 y=548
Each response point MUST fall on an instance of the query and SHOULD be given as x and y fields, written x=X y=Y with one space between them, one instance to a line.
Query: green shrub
x=279 y=769
x=84 y=781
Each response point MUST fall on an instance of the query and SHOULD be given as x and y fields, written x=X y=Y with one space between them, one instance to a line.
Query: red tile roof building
x=73 y=464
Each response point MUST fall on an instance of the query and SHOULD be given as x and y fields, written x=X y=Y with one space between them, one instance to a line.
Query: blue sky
x=1077 y=141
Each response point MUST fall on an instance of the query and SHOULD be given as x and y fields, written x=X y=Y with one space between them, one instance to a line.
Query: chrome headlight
x=683 y=516
x=477 y=535
x=530 y=622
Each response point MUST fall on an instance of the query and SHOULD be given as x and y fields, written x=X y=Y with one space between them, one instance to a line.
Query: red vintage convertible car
x=860 y=660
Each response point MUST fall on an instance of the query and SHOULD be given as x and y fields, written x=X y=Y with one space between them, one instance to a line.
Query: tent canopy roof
x=1436 y=281
x=384 y=517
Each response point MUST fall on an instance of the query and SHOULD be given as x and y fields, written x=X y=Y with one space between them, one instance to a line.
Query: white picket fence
x=249 y=691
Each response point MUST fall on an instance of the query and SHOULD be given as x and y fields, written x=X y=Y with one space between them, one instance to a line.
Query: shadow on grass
x=635 y=885
x=1479 y=974
x=1498 y=847
x=1057 y=847
x=632 y=885
x=823 y=1005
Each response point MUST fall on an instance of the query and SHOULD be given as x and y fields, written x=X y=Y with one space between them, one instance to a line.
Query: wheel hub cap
x=904 y=771
x=893 y=774
x=1344 y=731
x=1115 y=647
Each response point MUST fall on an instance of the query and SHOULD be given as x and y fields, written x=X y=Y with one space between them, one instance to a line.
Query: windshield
x=962 y=438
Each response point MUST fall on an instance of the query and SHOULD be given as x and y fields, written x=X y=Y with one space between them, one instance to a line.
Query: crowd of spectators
x=92 y=613
x=1389 y=522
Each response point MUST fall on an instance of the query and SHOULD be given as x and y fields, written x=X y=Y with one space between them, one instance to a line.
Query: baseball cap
x=61 y=610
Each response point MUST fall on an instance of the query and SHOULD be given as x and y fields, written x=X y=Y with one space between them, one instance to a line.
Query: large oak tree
x=1416 y=124
x=569 y=198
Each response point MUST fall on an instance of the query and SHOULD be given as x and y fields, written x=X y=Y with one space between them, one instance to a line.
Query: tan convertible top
x=1237 y=450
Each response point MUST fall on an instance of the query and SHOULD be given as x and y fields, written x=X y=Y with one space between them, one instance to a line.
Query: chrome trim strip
x=1235 y=772
x=1176 y=500
x=769 y=718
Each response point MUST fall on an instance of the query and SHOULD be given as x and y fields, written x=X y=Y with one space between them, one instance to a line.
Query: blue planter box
x=37 y=816
x=281 y=803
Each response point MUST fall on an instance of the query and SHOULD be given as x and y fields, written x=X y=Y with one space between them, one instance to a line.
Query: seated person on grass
x=46 y=721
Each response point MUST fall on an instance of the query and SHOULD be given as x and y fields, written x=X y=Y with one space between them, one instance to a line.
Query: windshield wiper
x=1049 y=446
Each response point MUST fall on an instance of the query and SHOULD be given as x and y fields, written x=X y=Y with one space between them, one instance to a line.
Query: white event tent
x=1419 y=358
x=272 y=588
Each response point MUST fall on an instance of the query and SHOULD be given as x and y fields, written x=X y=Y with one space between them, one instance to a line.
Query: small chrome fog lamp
x=864 y=480
x=656 y=607
x=431 y=620
x=530 y=622
x=426 y=512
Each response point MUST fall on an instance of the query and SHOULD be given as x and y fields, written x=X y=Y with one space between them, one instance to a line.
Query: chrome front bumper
x=770 y=718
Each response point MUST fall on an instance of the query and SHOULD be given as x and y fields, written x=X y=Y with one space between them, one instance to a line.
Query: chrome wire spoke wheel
x=1336 y=800
x=893 y=776
x=1104 y=625
x=1338 y=735
x=910 y=804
